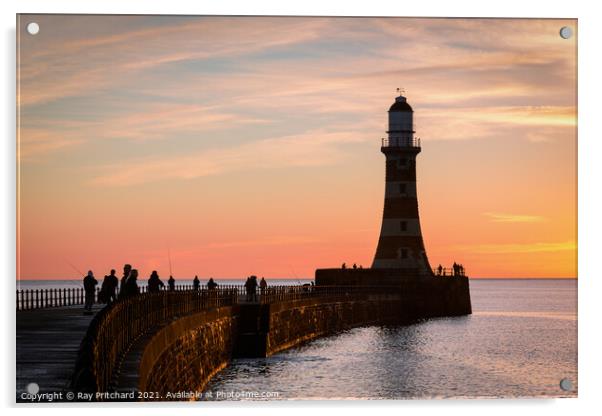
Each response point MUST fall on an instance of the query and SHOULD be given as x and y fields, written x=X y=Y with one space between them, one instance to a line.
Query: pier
x=177 y=340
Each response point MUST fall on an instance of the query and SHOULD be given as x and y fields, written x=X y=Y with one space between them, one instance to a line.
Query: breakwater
x=182 y=347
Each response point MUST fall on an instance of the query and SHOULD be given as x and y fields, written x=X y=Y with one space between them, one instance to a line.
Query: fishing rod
x=294 y=274
x=169 y=259
x=74 y=268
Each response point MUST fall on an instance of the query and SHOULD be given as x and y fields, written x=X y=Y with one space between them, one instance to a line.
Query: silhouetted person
x=196 y=283
x=354 y=266
x=254 y=286
x=90 y=290
x=439 y=270
x=251 y=286
x=171 y=283
x=455 y=267
x=248 y=288
x=211 y=285
x=127 y=268
x=154 y=283
x=131 y=285
x=108 y=290
x=461 y=270
x=343 y=266
x=361 y=266
x=263 y=285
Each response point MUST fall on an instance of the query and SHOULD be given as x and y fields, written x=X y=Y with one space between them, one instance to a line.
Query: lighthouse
x=400 y=245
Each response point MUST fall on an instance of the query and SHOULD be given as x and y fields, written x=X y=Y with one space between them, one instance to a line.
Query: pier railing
x=115 y=328
x=28 y=299
x=49 y=298
x=449 y=271
x=289 y=293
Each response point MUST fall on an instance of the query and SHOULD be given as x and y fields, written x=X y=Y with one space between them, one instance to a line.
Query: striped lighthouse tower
x=400 y=245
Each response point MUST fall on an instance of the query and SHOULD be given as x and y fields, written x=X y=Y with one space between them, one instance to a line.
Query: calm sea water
x=520 y=341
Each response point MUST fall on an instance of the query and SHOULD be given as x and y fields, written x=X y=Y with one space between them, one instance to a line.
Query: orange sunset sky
x=252 y=145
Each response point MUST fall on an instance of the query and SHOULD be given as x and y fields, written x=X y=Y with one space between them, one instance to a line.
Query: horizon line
x=312 y=278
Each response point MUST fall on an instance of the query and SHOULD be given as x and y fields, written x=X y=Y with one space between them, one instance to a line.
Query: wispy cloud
x=313 y=148
x=512 y=218
x=512 y=248
x=51 y=70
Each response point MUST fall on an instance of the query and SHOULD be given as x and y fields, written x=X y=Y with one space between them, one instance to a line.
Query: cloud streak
x=513 y=218
x=516 y=248
x=312 y=149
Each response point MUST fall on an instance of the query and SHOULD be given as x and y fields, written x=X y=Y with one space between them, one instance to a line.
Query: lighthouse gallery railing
x=401 y=142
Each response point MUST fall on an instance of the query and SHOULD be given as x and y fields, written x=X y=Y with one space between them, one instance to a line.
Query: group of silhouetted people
x=354 y=267
x=457 y=270
x=251 y=287
x=128 y=286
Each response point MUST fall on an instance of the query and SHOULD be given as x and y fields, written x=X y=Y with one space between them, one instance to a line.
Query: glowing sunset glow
x=252 y=145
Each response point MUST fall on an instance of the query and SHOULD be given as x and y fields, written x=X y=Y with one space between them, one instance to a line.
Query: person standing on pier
x=90 y=290
x=211 y=285
x=127 y=268
x=249 y=288
x=109 y=288
x=131 y=285
x=154 y=283
x=171 y=283
x=263 y=285
x=196 y=284
x=253 y=286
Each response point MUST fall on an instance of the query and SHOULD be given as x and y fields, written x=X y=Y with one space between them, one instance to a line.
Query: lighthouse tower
x=400 y=245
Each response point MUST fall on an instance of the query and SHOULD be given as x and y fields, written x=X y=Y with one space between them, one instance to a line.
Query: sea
x=520 y=341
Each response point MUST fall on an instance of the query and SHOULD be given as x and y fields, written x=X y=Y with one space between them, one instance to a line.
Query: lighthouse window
x=404 y=225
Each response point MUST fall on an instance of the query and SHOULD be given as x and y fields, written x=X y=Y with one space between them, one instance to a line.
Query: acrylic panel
x=225 y=208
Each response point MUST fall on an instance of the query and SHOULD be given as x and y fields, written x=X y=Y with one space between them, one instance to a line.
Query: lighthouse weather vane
x=401 y=91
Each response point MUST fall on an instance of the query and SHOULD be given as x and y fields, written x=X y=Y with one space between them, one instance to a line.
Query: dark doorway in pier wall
x=253 y=328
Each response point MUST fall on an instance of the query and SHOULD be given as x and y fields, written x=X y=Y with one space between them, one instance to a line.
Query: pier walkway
x=47 y=344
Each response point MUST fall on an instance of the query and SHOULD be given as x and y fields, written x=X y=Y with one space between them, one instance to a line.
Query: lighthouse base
x=423 y=296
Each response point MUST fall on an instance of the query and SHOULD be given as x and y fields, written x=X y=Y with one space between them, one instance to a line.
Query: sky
x=237 y=146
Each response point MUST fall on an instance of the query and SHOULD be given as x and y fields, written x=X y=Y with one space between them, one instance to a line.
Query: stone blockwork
x=185 y=354
x=294 y=322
